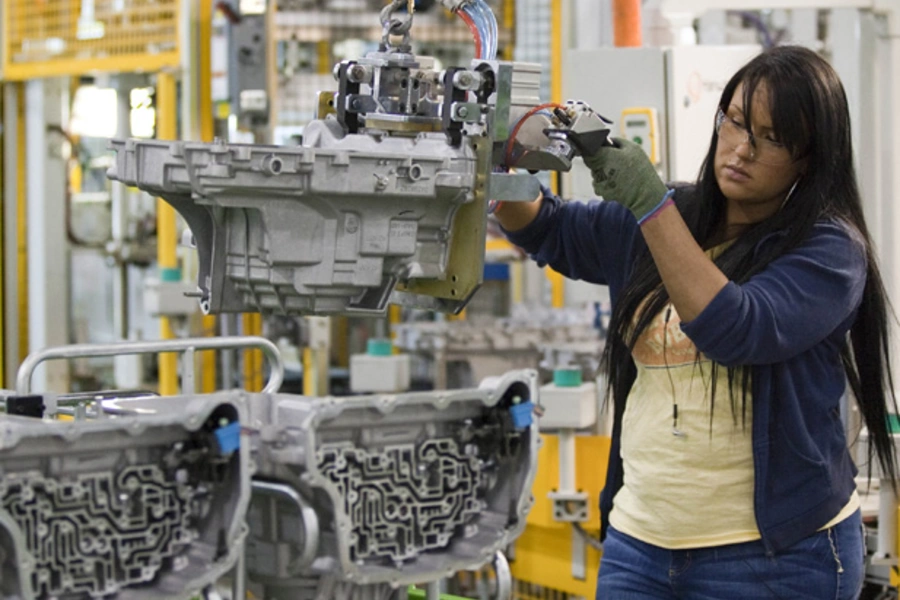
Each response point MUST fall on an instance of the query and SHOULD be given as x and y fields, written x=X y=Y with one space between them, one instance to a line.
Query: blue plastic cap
x=379 y=347
x=893 y=423
x=567 y=377
x=229 y=437
x=496 y=272
x=170 y=274
x=522 y=414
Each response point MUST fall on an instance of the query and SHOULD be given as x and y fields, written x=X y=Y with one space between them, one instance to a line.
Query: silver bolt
x=462 y=112
x=357 y=73
x=465 y=80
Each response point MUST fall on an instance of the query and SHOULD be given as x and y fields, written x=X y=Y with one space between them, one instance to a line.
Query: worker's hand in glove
x=623 y=173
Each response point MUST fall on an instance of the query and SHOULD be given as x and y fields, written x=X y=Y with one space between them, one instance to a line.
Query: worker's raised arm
x=622 y=173
x=514 y=216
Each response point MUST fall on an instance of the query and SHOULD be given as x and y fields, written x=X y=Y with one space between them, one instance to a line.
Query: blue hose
x=486 y=24
x=491 y=21
x=469 y=9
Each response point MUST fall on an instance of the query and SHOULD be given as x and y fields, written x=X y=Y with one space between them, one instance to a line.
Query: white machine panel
x=681 y=84
x=569 y=407
x=611 y=80
x=697 y=75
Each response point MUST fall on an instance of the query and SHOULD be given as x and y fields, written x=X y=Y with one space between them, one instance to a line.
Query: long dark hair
x=809 y=112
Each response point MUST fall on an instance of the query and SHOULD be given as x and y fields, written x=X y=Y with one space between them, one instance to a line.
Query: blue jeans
x=827 y=564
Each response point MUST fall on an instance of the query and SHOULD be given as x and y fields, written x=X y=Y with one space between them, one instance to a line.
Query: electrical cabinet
x=665 y=97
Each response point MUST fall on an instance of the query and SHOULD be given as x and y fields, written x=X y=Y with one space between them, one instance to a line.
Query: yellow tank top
x=687 y=484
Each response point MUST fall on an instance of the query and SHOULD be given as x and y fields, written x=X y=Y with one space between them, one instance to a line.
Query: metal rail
x=186 y=346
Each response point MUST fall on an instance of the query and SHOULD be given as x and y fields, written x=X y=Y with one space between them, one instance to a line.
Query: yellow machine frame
x=70 y=37
x=542 y=563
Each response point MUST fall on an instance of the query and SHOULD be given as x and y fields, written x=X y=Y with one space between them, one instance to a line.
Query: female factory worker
x=728 y=351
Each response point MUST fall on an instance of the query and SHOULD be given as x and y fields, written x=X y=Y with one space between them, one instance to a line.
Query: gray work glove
x=623 y=173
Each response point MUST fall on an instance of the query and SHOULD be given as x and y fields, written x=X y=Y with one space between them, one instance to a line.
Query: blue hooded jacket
x=788 y=323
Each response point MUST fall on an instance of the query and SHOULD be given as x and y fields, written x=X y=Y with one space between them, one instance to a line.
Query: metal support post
x=188 y=382
x=433 y=591
x=48 y=259
x=207 y=133
x=315 y=357
x=887 y=521
x=252 y=325
x=566 y=460
x=12 y=164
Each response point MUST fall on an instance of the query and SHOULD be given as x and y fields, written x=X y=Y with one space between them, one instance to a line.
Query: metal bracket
x=570 y=507
x=346 y=88
x=514 y=187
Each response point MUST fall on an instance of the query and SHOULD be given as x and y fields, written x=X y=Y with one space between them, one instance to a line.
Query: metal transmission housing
x=147 y=505
x=385 y=200
x=149 y=498
x=385 y=197
x=361 y=495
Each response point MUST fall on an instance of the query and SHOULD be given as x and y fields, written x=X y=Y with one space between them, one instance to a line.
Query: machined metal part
x=531 y=339
x=407 y=488
x=527 y=330
x=325 y=104
x=465 y=265
x=570 y=507
x=557 y=137
x=354 y=498
x=391 y=191
x=330 y=227
x=385 y=201
x=514 y=187
x=141 y=507
x=454 y=5
x=394 y=27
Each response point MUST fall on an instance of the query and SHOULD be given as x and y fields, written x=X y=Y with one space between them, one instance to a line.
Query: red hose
x=471 y=25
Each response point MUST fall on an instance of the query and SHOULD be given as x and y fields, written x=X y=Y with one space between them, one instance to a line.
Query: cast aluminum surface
x=329 y=227
x=408 y=488
x=459 y=352
x=528 y=328
x=384 y=201
x=139 y=506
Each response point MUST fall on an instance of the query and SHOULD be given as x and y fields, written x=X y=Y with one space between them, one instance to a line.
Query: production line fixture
x=348 y=499
x=146 y=504
x=385 y=200
x=357 y=497
x=534 y=338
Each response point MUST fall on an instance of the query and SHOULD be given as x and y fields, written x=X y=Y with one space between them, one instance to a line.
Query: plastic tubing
x=469 y=15
x=476 y=34
x=478 y=19
x=483 y=21
x=491 y=20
